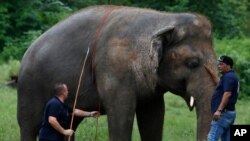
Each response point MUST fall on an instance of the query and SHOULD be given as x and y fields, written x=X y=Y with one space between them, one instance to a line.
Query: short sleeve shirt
x=57 y=109
x=228 y=83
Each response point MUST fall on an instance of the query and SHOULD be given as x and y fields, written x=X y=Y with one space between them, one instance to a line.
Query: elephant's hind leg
x=29 y=125
x=28 y=132
x=29 y=117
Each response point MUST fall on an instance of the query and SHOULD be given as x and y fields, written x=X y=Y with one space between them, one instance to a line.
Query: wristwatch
x=220 y=110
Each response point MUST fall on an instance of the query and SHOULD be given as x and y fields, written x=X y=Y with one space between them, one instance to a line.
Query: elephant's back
x=67 y=40
x=62 y=46
x=70 y=38
x=60 y=50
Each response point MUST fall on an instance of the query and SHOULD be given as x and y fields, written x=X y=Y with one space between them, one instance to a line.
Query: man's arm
x=82 y=113
x=222 y=105
x=224 y=100
x=55 y=124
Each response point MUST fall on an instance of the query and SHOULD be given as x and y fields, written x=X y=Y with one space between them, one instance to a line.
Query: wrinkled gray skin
x=140 y=55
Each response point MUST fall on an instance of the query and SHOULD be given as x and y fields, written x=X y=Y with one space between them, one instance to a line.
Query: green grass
x=179 y=124
x=9 y=130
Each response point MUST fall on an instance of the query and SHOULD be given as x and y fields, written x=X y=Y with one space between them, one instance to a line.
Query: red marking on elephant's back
x=94 y=44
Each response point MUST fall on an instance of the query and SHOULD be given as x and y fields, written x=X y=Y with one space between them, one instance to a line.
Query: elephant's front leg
x=120 y=111
x=150 y=118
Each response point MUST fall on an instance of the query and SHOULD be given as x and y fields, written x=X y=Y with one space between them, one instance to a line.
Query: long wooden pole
x=77 y=91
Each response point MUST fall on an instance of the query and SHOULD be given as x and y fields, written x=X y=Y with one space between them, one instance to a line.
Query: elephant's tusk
x=191 y=102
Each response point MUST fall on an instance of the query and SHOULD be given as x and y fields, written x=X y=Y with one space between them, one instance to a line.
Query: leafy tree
x=51 y=11
x=23 y=17
x=16 y=47
x=26 y=18
x=78 y=4
x=16 y=17
x=4 y=20
x=246 y=25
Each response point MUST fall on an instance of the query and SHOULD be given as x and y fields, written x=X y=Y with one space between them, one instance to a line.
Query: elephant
x=135 y=56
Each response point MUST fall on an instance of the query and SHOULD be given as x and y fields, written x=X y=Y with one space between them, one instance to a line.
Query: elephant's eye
x=192 y=63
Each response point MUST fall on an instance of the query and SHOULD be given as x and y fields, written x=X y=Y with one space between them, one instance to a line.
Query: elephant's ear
x=162 y=37
x=163 y=31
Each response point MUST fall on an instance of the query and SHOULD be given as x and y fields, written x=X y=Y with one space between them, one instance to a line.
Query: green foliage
x=79 y=4
x=21 y=20
x=52 y=11
x=227 y=23
x=246 y=26
x=23 y=17
x=8 y=69
x=239 y=50
x=4 y=20
x=15 y=48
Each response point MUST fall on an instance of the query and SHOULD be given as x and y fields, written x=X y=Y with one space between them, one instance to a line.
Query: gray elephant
x=136 y=55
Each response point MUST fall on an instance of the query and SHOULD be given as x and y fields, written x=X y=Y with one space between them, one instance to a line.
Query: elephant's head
x=183 y=49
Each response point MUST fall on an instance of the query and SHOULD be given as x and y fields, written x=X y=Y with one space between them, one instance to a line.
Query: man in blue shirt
x=56 y=115
x=223 y=100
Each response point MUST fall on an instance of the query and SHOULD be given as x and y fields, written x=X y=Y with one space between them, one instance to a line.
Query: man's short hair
x=59 y=87
x=226 y=59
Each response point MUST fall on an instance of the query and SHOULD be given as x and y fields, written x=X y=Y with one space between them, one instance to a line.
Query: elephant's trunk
x=203 y=113
x=199 y=95
x=203 y=124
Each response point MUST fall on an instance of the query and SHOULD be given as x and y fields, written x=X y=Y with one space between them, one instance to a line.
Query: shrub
x=9 y=69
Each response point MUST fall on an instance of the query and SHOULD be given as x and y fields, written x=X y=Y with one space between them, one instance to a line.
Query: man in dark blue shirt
x=56 y=115
x=223 y=100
